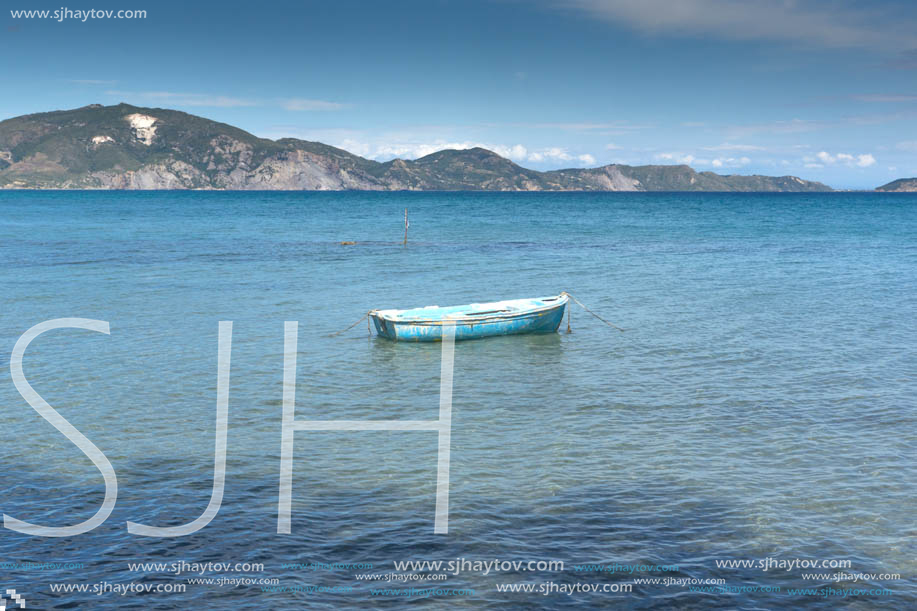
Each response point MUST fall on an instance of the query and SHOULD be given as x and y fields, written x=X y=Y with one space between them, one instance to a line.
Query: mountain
x=902 y=184
x=129 y=147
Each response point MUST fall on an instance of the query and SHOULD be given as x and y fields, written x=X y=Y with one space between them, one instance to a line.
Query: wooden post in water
x=406 y=225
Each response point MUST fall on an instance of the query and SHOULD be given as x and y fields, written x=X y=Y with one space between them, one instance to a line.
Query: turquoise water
x=760 y=404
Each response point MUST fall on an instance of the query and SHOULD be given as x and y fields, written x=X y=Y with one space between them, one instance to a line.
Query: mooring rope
x=365 y=316
x=590 y=311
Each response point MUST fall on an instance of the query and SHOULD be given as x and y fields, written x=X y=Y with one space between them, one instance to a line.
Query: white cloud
x=864 y=161
x=419 y=141
x=516 y=151
x=414 y=150
x=676 y=157
x=833 y=24
x=730 y=162
x=557 y=153
x=355 y=146
x=308 y=104
x=716 y=162
x=611 y=146
x=823 y=158
x=907 y=145
x=417 y=149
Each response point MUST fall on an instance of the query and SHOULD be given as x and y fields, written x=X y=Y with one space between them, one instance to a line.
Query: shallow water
x=760 y=404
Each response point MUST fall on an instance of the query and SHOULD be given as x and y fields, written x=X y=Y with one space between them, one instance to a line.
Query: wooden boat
x=472 y=321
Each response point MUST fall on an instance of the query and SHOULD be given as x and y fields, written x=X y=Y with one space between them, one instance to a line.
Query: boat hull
x=545 y=319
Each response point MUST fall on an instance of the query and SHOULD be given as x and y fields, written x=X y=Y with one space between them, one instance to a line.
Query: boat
x=472 y=321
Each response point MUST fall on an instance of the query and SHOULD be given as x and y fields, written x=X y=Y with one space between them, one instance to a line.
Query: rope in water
x=365 y=316
x=580 y=303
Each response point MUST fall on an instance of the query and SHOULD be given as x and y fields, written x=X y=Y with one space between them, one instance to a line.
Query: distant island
x=129 y=147
x=900 y=185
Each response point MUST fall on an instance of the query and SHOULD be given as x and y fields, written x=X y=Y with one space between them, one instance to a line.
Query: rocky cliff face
x=900 y=185
x=126 y=147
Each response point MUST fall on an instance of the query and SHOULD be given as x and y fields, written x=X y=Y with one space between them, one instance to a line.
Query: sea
x=747 y=441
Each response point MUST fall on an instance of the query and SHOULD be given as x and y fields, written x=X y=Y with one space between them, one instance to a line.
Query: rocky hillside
x=127 y=147
x=900 y=185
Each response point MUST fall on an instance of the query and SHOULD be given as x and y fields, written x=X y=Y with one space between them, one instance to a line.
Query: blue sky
x=826 y=90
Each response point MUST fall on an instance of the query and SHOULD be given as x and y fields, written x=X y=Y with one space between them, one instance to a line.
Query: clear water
x=761 y=402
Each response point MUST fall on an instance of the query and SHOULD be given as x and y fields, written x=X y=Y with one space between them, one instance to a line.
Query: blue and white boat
x=472 y=321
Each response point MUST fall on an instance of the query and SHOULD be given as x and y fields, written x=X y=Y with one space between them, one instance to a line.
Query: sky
x=821 y=89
